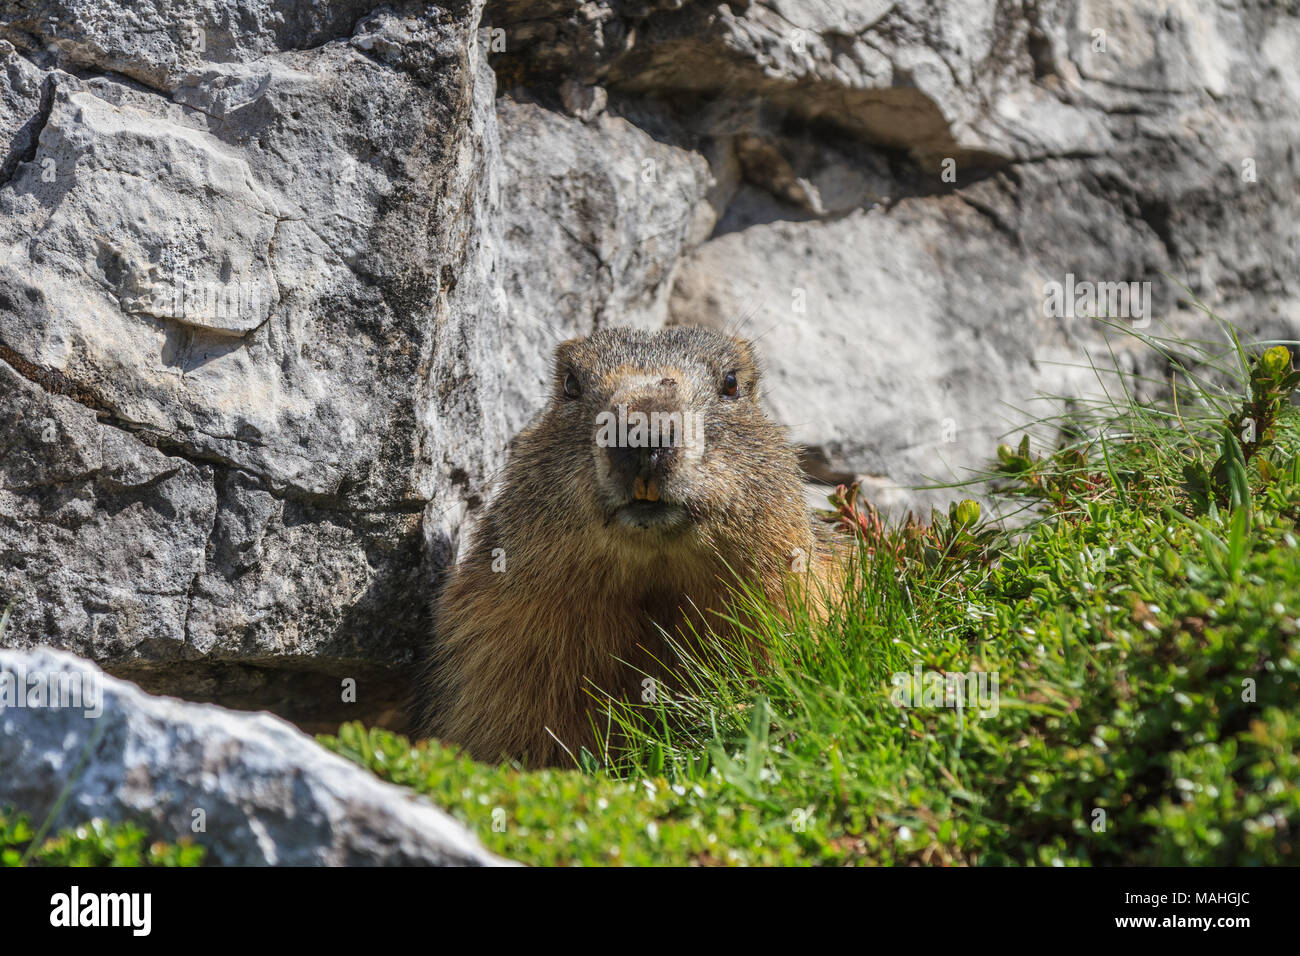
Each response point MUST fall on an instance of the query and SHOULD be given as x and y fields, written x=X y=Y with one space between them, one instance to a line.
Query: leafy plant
x=94 y=843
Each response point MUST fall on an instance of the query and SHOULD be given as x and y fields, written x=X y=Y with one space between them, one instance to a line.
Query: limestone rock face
x=279 y=282
x=903 y=180
x=595 y=220
x=248 y=381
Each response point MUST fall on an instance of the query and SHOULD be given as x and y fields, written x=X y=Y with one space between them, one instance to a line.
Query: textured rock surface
x=596 y=217
x=911 y=174
x=250 y=788
x=256 y=268
x=279 y=282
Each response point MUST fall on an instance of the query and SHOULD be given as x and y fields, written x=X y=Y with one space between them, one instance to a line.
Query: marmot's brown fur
x=597 y=539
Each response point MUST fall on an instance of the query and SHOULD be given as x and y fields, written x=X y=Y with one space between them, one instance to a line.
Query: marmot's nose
x=649 y=438
x=643 y=462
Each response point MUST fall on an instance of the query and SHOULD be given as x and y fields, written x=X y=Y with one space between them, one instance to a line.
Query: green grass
x=1142 y=627
x=94 y=843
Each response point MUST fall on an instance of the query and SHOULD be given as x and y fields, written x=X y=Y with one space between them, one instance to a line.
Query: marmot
x=607 y=529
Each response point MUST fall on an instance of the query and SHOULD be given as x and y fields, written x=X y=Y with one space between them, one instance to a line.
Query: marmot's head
x=665 y=430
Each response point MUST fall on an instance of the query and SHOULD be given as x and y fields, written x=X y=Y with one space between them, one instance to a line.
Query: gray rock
x=248 y=787
x=155 y=42
x=595 y=218
x=900 y=344
x=262 y=267
x=21 y=97
x=1098 y=142
x=910 y=74
x=103 y=537
x=584 y=102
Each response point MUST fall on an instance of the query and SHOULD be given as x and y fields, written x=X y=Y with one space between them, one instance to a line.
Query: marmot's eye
x=729 y=385
x=571 y=386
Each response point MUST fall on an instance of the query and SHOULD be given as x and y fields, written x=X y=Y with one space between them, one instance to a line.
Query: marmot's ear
x=564 y=352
